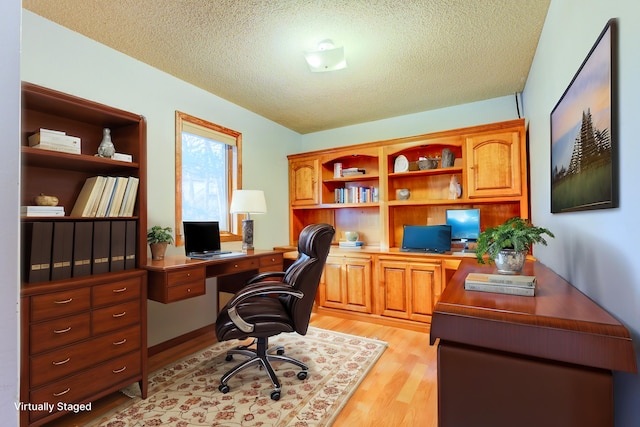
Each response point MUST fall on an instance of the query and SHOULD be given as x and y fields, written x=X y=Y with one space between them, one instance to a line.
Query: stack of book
x=42 y=210
x=107 y=196
x=348 y=244
x=502 y=284
x=54 y=140
x=352 y=171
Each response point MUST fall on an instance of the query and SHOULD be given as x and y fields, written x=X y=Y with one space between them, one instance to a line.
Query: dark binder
x=82 y=246
x=36 y=242
x=101 y=251
x=62 y=252
x=118 y=236
x=130 y=245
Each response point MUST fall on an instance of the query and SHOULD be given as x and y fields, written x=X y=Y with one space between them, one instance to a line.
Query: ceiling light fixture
x=326 y=58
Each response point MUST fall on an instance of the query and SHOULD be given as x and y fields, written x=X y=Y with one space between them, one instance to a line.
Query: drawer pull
x=67 y=301
x=62 y=362
x=120 y=342
x=61 y=331
x=117 y=291
x=188 y=290
x=62 y=392
x=119 y=314
x=235 y=265
x=188 y=274
x=117 y=371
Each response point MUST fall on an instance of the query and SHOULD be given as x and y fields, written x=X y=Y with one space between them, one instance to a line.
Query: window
x=207 y=171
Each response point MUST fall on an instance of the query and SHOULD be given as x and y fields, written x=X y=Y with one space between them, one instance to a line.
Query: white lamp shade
x=248 y=201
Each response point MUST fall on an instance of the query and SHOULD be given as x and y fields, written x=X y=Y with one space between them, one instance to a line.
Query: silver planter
x=509 y=261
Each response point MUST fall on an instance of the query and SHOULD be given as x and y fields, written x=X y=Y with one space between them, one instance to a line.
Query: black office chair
x=275 y=302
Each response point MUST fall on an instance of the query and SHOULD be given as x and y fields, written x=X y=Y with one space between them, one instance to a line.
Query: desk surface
x=171 y=262
x=559 y=323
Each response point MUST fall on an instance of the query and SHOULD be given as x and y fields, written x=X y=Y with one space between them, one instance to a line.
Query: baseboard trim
x=158 y=348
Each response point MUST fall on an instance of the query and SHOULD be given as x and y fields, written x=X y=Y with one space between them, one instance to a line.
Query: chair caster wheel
x=275 y=395
x=302 y=375
x=229 y=357
x=224 y=388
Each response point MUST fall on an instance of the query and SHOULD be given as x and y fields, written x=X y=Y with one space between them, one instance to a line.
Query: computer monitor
x=201 y=237
x=465 y=225
x=426 y=238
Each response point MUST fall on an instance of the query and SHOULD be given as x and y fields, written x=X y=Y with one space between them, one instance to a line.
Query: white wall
x=593 y=250
x=56 y=57
x=10 y=196
x=476 y=113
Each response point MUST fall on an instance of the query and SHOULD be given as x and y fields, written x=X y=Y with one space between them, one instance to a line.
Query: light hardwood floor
x=400 y=390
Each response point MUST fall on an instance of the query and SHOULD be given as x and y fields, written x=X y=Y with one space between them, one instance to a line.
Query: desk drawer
x=59 y=363
x=58 y=332
x=115 y=317
x=186 y=275
x=233 y=266
x=75 y=388
x=58 y=304
x=274 y=260
x=112 y=293
x=186 y=290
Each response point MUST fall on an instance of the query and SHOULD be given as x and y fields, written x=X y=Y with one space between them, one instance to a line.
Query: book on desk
x=500 y=283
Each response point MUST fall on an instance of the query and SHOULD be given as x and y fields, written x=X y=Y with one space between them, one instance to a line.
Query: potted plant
x=508 y=244
x=158 y=239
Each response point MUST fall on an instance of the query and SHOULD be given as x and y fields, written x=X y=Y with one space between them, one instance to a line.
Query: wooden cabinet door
x=409 y=289
x=346 y=284
x=303 y=182
x=493 y=164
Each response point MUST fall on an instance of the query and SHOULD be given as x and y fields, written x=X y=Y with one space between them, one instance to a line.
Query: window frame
x=234 y=178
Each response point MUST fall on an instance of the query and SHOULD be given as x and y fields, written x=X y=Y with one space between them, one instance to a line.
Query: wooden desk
x=177 y=277
x=508 y=360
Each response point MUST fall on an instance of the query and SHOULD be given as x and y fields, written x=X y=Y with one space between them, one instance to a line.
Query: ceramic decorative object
x=106 y=147
x=44 y=200
x=455 y=190
x=403 y=194
x=425 y=164
x=351 y=236
x=448 y=158
x=510 y=261
x=158 y=250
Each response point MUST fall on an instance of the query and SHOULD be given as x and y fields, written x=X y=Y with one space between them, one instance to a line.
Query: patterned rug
x=186 y=393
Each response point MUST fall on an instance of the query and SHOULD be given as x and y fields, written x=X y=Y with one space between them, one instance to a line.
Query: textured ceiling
x=404 y=56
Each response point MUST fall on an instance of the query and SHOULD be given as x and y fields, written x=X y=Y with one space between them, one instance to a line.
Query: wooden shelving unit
x=82 y=337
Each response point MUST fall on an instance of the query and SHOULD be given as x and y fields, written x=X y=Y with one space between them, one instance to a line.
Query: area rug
x=186 y=393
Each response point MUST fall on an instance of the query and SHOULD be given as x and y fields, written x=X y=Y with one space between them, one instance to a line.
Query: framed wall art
x=584 y=167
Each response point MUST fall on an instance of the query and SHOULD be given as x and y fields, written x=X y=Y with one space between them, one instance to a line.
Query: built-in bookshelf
x=83 y=293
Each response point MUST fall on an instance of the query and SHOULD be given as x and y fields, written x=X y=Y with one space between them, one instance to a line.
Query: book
x=350 y=244
x=118 y=196
x=36 y=242
x=42 y=211
x=56 y=147
x=54 y=138
x=501 y=279
x=62 y=250
x=91 y=190
x=131 y=194
x=106 y=196
x=130 y=245
x=122 y=157
x=101 y=247
x=82 y=238
x=500 y=289
x=117 y=245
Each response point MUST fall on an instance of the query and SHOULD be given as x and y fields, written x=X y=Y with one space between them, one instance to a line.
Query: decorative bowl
x=351 y=236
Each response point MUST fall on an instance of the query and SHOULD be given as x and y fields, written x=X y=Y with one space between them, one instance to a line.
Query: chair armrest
x=253 y=290
x=266 y=275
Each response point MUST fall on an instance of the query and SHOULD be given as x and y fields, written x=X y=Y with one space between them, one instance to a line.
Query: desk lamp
x=248 y=202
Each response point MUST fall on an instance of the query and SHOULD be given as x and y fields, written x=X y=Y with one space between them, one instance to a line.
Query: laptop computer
x=426 y=238
x=202 y=240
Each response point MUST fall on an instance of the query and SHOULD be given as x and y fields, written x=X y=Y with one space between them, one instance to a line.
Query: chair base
x=262 y=356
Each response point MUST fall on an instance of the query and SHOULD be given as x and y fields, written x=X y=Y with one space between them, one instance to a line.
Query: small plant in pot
x=158 y=239
x=508 y=244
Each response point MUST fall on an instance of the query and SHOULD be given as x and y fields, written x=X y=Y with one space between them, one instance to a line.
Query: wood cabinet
x=493 y=164
x=346 y=284
x=489 y=164
x=409 y=289
x=83 y=333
